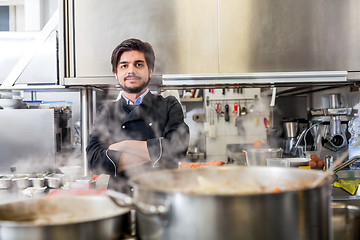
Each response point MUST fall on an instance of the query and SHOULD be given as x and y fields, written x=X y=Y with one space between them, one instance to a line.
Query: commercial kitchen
x=269 y=90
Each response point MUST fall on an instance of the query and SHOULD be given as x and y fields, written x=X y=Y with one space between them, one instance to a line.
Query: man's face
x=132 y=72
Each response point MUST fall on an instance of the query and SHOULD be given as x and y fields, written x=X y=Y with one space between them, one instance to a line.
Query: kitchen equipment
x=64 y=217
x=174 y=204
x=10 y=103
x=337 y=138
x=345 y=221
x=277 y=162
x=21 y=182
x=71 y=170
x=296 y=162
x=333 y=121
x=5 y=182
x=54 y=180
x=36 y=132
x=288 y=162
x=37 y=182
x=258 y=156
x=342 y=162
x=291 y=132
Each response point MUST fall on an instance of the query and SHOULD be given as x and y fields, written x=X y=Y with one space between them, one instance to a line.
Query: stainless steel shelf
x=253 y=79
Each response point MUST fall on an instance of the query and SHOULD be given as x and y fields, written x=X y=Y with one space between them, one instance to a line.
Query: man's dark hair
x=133 y=44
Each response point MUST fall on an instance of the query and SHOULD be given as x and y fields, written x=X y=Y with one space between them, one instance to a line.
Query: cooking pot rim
x=134 y=181
x=120 y=211
x=6 y=223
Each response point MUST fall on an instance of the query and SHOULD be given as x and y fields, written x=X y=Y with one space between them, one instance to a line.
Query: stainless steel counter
x=12 y=195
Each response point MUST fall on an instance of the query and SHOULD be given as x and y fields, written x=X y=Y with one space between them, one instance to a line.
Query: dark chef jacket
x=158 y=121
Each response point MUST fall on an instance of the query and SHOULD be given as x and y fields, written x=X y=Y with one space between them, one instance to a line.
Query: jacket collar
x=135 y=114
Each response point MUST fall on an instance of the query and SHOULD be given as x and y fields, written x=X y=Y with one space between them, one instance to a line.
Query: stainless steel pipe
x=86 y=123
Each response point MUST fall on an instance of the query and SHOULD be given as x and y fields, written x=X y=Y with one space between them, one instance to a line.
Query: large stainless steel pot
x=168 y=209
x=345 y=221
x=64 y=217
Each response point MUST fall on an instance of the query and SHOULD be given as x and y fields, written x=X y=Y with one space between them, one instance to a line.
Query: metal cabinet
x=211 y=36
x=183 y=34
x=289 y=35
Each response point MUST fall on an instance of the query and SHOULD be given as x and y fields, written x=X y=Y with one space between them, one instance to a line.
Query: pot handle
x=120 y=199
x=123 y=200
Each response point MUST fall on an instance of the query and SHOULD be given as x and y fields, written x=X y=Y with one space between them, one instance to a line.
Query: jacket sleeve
x=100 y=159
x=167 y=151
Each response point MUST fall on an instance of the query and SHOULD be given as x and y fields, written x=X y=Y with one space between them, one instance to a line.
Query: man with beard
x=140 y=131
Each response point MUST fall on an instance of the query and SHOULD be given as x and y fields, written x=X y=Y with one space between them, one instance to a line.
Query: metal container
x=291 y=129
x=22 y=182
x=171 y=204
x=54 y=180
x=345 y=221
x=64 y=217
x=5 y=183
x=37 y=182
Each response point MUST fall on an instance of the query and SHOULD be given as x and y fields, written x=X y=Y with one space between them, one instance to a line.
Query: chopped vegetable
x=212 y=163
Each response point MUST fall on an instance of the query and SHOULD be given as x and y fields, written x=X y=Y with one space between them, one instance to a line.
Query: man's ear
x=150 y=73
x=115 y=76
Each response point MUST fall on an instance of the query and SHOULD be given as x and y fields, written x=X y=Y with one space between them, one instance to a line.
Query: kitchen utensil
x=258 y=156
x=266 y=122
x=195 y=204
x=239 y=123
x=236 y=106
x=218 y=108
x=211 y=127
x=227 y=116
x=64 y=217
x=243 y=111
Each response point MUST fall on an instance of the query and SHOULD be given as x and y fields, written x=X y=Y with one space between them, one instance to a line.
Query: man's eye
x=139 y=64
x=123 y=66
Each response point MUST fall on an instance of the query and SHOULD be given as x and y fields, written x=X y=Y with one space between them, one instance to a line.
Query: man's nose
x=131 y=69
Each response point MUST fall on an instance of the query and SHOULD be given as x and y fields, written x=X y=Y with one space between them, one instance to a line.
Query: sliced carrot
x=219 y=163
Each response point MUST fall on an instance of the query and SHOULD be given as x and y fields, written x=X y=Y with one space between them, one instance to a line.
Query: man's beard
x=136 y=89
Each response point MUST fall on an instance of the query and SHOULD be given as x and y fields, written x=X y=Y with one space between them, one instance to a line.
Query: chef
x=141 y=130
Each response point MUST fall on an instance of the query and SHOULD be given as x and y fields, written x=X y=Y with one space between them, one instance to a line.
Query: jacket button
x=123 y=127
x=150 y=124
